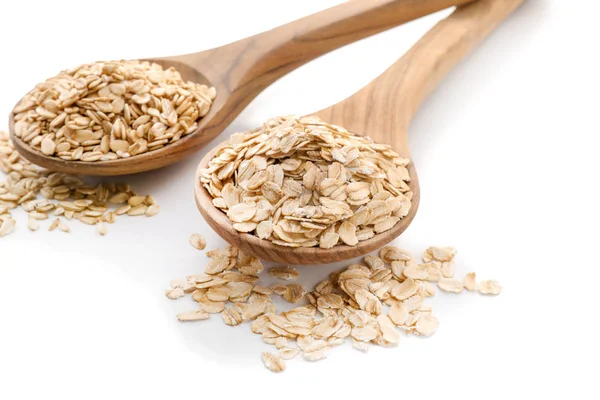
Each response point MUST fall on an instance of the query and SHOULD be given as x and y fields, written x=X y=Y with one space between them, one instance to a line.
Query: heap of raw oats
x=109 y=110
x=300 y=182
x=369 y=303
x=63 y=195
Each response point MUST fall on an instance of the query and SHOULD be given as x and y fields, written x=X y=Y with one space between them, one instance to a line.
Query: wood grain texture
x=382 y=110
x=241 y=70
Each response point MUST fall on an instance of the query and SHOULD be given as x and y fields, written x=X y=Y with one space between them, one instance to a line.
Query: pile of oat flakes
x=109 y=110
x=368 y=303
x=301 y=182
x=63 y=196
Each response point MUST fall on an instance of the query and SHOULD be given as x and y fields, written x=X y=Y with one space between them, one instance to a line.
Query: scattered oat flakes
x=38 y=215
x=287 y=353
x=219 y=293
x=470 y=282
x=388 y=329
x=7 y=225
x=404 y=290
x=193 y=316
x=212 y=307
x=198 y=241
x=293 y=292
x=152 y=210
x=450 y=285
x=54 y=224
x=285 y=273
x=33 y=224
x=316 y=355
x=398 y=314
x=416 y=271
x=390 y=254
x=231 y=316
x=262 y=290
x=427 y=324
x=350 y=304
x=101 y=228
x=361 y=346
x=489 y=287
x=64 y=227
x=447 y=269
x=439 y=254
x=365 y=333
x=175 y=293
x=272 y=362
x=40 y=192
x=281 y=342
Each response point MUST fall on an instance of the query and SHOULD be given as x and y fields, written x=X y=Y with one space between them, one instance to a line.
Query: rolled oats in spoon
x=301 y=182
x=108 y=110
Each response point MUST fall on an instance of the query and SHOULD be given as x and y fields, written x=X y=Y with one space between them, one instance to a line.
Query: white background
x=507 y=154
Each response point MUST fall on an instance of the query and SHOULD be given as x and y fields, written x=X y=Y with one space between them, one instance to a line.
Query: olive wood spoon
x=241 y=70
x=382 y=110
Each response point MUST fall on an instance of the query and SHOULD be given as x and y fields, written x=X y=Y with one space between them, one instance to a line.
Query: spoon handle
x=385 y=107
x=436 y=54
x=254 y=63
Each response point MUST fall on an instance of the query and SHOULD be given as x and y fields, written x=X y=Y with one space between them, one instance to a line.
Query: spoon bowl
x=241 y=70
x=266 y=250
x=381 y=110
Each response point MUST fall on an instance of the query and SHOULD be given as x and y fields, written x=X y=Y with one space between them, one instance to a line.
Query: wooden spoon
x=241 y=70
x=382 y=110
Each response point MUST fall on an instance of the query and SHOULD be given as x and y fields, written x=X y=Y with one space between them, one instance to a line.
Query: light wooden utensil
x=382 y=110
x=241 y=70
